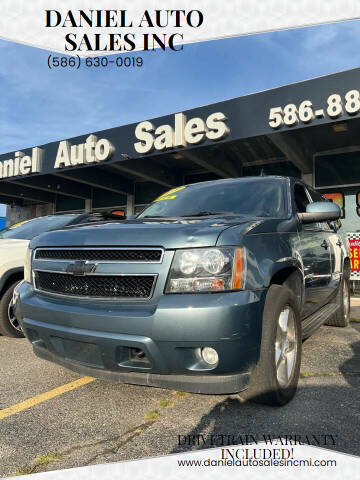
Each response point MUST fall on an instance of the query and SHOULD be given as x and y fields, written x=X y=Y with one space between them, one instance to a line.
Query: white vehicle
x=14 y=241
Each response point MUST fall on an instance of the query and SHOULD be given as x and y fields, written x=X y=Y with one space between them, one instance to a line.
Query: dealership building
x=308 y=130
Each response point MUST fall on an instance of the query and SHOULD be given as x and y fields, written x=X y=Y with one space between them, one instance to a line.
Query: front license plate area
x=82 y=352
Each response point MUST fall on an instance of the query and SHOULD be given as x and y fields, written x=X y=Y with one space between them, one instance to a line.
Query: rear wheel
x=9 y=325
x=274 y=380
x=342 y=316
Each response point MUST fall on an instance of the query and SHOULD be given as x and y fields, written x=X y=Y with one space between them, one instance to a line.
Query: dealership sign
x=354 y=250
x=22 y=164
x=92 y=151
x=354 y=246
x=183 y=132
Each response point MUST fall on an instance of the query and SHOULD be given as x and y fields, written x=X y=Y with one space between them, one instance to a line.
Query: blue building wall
x=2 y=216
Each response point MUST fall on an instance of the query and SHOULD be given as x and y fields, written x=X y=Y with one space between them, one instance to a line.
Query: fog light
x=209 y=355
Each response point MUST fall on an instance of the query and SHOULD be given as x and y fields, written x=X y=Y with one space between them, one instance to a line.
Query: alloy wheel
x=12 y=318
x=285 y=346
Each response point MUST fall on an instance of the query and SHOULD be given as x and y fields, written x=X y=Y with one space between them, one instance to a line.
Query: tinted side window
x=301 y=198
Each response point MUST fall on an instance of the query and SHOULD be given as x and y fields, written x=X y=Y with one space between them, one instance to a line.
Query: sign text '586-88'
x=336 y=107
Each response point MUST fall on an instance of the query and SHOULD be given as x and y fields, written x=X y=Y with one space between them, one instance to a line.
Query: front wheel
x=275 y=378
x=9 y=324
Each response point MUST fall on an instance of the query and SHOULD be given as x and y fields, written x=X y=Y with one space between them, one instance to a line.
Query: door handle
x=339 y=243
x=325 y=245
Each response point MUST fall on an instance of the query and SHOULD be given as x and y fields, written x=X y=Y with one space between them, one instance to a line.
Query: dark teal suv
x=211 y=289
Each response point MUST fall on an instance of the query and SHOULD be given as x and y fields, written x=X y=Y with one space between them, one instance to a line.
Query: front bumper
x=206 y=384
x=100 y=338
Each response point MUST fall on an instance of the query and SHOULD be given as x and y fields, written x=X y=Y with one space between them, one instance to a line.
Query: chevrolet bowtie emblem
x=81 y=267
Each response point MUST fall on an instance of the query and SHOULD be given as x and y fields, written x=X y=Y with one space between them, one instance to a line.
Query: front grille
x=122 y=286
x=117 y=255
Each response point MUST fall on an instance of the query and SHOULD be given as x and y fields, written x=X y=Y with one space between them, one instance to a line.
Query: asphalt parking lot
x=98 y=421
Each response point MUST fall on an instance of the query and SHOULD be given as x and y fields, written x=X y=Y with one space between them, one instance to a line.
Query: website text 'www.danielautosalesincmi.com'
x=257 y=457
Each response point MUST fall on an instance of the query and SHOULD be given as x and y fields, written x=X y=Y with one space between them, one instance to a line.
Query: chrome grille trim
x=92 y=297
x=105 y=249
x=107 y=265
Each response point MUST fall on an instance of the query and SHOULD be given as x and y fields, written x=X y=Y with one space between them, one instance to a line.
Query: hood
x=168 y=233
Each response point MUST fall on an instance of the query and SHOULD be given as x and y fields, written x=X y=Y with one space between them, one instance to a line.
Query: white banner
x=286 y=462
x=83 y=27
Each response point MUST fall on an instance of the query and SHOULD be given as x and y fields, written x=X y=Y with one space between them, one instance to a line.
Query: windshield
x=30 y=228
x=258 y=197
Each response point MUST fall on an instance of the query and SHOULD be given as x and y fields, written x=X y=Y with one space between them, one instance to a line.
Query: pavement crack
x=121 y=440
x=104 y=441
x=106 y=446
x=39 y=464
x=113 y=450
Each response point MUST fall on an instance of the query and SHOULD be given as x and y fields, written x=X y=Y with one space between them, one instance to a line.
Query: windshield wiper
x=156 y=217
x=205 y=213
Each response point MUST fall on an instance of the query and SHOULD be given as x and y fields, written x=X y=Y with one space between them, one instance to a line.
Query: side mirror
x=320 y=212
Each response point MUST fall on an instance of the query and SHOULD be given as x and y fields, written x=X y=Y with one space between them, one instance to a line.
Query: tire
x=342 y=316
x=271 y=385
x=9 y=326
x=294 y=283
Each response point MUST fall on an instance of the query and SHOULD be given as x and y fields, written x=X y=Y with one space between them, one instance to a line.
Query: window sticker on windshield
x=168 y=195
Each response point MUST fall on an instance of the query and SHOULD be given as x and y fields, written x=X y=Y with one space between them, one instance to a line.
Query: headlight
x=207 y=270
x=188 y=261
x=214 y=261
x=27 y=266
